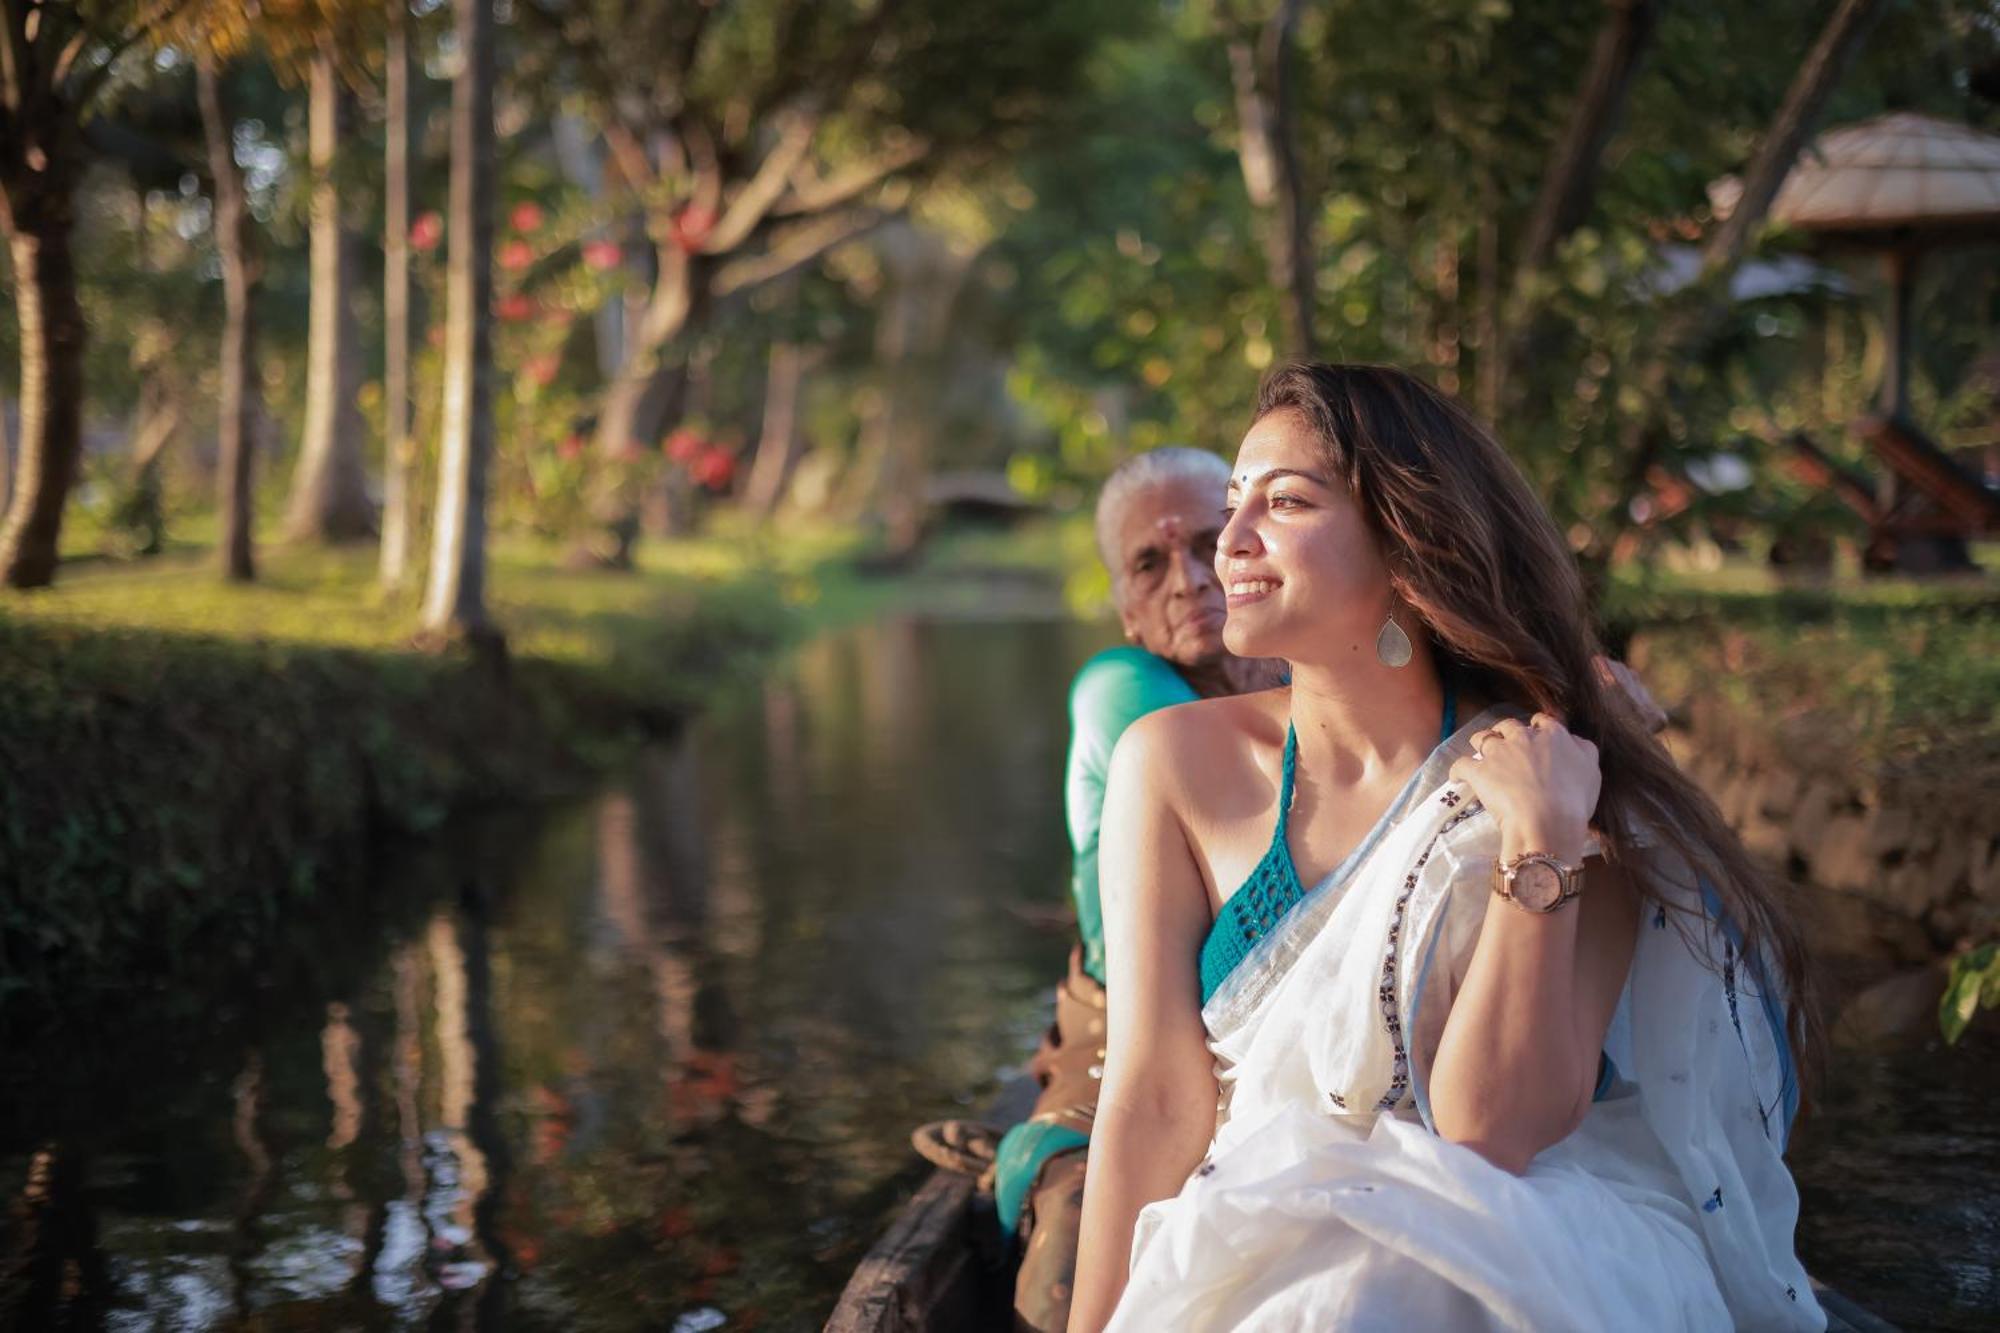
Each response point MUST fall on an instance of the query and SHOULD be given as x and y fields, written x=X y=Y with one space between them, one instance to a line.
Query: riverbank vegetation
x=618 y=310
x=190 y=759
x=1892 y=674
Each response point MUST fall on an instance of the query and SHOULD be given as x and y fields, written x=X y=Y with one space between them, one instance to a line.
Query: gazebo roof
x=1898 y=174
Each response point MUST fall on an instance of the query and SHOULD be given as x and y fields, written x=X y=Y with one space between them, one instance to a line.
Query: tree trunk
x=141 y=512
x=647 y=394
x=912 y=333
x=41 y=212
x=1569 y=183
x=1270 y=162
x=455 y=606
x=6 y=458
x=1790 y=127
x=1777 y=149
x=1445 y=318
x=780 y=442
x=329 y=501
x=577 y=154
x=398 y=449
x=237 y=394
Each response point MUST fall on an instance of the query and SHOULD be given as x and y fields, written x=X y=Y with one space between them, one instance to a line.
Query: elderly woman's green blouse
x=1113 y=690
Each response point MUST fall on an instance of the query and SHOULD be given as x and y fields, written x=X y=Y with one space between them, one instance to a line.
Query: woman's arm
x=1517 y=1063
x=1156 y=1112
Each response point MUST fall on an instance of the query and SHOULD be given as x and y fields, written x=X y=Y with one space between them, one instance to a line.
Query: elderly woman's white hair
x=1142 y=472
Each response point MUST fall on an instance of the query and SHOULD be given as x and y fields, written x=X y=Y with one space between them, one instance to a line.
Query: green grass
x=1900 y=674
x=189 y=759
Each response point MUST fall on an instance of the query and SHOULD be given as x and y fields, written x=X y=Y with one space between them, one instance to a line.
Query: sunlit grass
x=332 y=598
x=1884 y=669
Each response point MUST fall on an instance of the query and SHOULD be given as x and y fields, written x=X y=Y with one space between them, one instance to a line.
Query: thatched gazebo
x=1900 y=185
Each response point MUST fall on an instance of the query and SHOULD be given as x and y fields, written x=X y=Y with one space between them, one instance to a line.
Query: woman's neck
x=1361 y=718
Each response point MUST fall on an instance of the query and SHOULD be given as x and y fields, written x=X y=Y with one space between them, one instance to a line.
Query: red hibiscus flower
x=426 y=232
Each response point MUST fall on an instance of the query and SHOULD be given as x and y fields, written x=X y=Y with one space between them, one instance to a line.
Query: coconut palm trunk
x=236 y=403
x=329 y=501
x=455 y=605
x=40 y=210
x=398 y=449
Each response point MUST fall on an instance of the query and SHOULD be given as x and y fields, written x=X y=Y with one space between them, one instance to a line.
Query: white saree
x=1326 y=1201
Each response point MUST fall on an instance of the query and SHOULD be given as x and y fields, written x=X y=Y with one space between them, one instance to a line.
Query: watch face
x=1537 y=886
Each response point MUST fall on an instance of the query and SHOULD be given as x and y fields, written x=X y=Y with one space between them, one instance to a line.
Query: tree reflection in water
x=644 y=1058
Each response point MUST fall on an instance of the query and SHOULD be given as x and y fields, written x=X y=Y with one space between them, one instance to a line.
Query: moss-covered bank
x=184 y=761
x=1850 y=731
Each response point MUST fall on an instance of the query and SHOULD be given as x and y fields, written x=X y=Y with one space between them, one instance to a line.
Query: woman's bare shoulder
x=1178 y=750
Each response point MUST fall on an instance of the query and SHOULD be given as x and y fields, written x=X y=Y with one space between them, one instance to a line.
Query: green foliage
x=1902 y=676
x=207 y=757
x=1424 y=133
x=1974 y=985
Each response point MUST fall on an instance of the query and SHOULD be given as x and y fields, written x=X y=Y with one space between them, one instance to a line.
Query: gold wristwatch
x=1537 y=881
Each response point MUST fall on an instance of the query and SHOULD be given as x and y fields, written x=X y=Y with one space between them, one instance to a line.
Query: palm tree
x=396 y=443
x=455 y=604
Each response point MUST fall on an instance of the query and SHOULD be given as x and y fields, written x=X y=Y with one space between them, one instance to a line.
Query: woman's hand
x=1540 y=782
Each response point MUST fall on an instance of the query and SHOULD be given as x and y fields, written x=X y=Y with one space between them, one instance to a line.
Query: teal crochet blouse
x=1273 y=889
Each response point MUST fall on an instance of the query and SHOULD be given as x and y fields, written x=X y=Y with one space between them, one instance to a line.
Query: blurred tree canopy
x=715 y=224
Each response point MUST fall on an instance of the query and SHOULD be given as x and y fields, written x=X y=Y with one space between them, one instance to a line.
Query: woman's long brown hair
x=1473 y=552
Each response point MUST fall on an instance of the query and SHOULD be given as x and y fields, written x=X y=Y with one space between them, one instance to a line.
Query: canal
x=650 y=1060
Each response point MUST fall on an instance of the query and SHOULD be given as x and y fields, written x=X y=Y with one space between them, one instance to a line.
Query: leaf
x=1972 y=974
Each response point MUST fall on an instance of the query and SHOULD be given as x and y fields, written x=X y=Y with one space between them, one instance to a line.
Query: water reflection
x=650 y=1060
x=647 y=1061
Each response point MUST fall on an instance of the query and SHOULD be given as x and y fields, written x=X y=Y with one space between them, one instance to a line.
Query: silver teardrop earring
x=1392 y=646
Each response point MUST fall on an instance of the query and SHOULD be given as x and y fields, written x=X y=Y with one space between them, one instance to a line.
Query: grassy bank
x=1899 y=675
x=187 y=760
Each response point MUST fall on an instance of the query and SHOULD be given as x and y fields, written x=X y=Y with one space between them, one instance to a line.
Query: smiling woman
x=1404 y=1105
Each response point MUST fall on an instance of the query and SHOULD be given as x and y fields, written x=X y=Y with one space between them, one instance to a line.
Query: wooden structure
x=1919 y=525
x=1899 y=185
x=942 y=1264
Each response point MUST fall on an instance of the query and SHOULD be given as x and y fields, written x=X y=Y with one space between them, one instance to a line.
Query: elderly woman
x=1157 y=520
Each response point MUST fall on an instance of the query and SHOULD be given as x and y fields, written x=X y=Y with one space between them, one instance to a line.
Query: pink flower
x=603 y=256
x=692 y=226
x=516 y=255
x=527 y=216
x=684 y=445
x=515 y=306
x=541 y=370
x=716 y=468
x=570 y=449
x=426 y=232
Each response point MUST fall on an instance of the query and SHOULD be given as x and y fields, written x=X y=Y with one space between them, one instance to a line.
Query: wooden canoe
x=941 y=1266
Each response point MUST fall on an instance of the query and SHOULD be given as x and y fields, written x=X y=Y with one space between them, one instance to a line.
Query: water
x=650 y=1061
x=1899 y=1181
